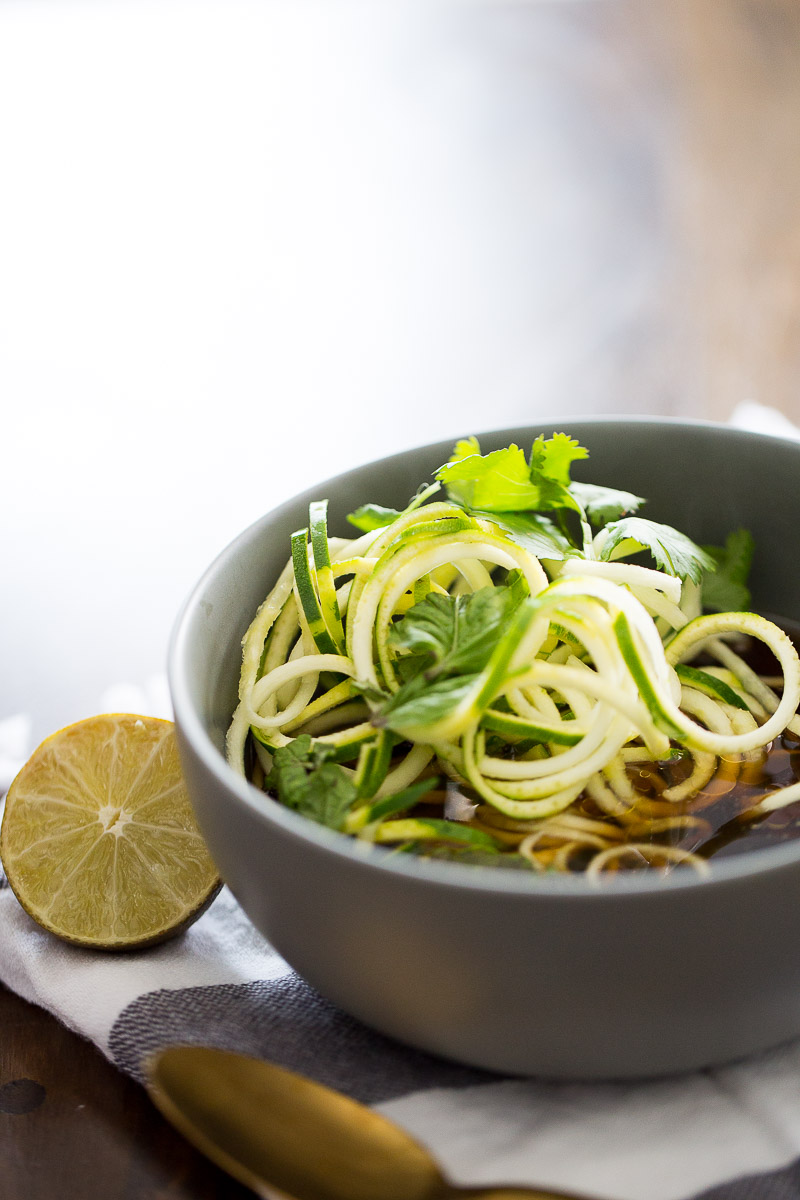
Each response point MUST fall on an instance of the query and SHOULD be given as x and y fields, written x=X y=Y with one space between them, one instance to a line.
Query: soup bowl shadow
x=506 y=970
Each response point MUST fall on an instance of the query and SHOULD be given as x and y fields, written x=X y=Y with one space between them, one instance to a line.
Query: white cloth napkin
x=734 y=1130
x=728 y=1134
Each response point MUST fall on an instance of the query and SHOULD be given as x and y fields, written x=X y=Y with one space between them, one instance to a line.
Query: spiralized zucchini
x=536 y=750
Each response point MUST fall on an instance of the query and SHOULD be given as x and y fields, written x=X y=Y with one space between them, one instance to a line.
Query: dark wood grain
x=85 y=1130
x=677 y=125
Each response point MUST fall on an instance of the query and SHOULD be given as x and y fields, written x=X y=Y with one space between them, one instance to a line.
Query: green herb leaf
x=503 y=481
x=452 y=643
x=464 y=447
x=725 y=586
x=307 y=780
x=455 y=634
x=536 y=533
x=603 y=504
x=375 y=516
x=551 y=458
x=420 y=702
x=372 y=516
x=673 y=551
x=498 y=482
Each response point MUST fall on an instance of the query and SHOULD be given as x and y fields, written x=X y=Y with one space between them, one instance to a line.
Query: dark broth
x=779 y=767
x=722 y=830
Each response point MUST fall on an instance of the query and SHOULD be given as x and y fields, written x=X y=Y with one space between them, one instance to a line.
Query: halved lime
x=99 y=841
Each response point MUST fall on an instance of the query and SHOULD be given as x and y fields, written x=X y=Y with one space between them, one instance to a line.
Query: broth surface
x=719 y=827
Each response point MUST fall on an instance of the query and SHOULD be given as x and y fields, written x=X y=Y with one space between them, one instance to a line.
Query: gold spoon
x=289 y=1138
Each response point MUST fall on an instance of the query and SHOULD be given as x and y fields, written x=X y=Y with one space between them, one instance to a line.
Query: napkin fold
x=731 y=1133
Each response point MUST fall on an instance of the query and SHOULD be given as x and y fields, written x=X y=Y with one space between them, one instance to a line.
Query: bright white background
x=244 y=245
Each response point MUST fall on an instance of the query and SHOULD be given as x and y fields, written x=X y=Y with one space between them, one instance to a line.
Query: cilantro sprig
x=531 y=499
x=673 y=551
x=503 y=481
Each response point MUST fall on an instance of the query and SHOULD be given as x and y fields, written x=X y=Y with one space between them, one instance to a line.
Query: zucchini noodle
x=583 y=739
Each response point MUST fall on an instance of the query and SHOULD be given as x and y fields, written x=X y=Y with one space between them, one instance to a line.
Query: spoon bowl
x=289 y=1138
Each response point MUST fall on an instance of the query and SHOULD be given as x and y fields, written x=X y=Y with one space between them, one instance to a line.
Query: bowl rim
x=438 y=873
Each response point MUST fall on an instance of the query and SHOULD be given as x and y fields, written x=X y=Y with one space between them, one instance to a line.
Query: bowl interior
x=704 y=479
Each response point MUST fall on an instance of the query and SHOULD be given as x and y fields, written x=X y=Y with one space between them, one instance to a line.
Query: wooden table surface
x=73 y=1126
x=680 y=127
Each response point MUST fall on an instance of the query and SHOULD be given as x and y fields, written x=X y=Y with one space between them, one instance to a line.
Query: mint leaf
x=306 y=780
x=372 y=516
x=448 y=641
x=455 y=635
x=725 y=585
x=420 y=702
x=602 y=504
x=673 y=551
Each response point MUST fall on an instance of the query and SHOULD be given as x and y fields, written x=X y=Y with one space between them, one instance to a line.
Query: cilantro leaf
x=551 y=458
x=499 y=481
x=420 y=702
x=464 y=448
x=503 y=481
x=372 y=516
x=306 y=780
x=603 y=504
x=725 y=585
x=535 y=532
x=673 y=551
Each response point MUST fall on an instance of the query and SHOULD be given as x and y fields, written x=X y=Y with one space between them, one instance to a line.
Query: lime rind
x=98 y=840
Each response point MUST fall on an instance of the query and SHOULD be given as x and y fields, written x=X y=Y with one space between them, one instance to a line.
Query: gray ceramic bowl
x=516 y=973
